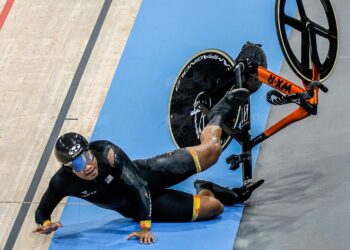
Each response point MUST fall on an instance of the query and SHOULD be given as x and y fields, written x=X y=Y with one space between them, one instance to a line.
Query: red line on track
x=5 y=11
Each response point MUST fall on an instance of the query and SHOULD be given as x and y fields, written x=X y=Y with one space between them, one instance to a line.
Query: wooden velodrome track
x=48 y=46
x=42 y=44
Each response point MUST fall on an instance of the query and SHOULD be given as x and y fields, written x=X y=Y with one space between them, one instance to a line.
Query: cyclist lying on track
x=101 y=173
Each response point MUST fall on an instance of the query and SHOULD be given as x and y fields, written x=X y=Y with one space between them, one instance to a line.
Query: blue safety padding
x=165 y=35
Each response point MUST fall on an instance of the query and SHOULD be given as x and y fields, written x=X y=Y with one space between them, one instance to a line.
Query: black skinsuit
x=135 y=189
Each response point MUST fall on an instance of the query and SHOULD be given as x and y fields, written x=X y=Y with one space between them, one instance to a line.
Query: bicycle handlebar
x=276 y=98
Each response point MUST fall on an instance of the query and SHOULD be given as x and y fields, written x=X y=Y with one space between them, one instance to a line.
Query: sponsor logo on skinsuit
x=85 y=193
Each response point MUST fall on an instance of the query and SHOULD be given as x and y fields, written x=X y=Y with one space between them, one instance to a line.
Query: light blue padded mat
x=165 y=35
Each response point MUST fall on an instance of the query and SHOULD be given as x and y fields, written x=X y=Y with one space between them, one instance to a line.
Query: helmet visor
x=79 y=164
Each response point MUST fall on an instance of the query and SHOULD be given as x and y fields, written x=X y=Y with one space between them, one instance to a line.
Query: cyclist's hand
x=49 y=228
x=145 y=236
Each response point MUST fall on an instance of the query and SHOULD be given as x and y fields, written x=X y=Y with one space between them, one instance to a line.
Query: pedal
x=236 y=160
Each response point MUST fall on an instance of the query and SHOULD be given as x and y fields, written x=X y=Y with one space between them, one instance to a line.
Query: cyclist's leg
x=173 y=205
x=173 y=167
x=208 y=152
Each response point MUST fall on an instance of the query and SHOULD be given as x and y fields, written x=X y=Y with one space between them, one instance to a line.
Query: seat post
x=245 y=144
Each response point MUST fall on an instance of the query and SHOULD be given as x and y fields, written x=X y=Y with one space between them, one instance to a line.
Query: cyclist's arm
x=47 y=204
x=145 y=207
x=128 y=174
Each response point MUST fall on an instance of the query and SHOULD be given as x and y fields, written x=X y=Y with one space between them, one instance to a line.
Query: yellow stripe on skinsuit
x=145 y=224
x=196 y=206
x=195 y=159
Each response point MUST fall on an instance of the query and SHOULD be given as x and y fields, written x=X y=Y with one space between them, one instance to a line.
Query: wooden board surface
x=41 y=45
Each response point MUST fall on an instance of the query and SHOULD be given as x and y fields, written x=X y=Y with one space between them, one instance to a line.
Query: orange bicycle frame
x=287 y=87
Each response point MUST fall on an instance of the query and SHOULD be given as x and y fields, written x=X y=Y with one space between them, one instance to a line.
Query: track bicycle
x=209 y=74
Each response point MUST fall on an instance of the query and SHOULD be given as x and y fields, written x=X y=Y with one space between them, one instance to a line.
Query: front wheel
x=316 y=45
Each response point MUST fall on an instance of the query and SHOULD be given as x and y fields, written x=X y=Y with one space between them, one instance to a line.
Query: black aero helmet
x=69 y=146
